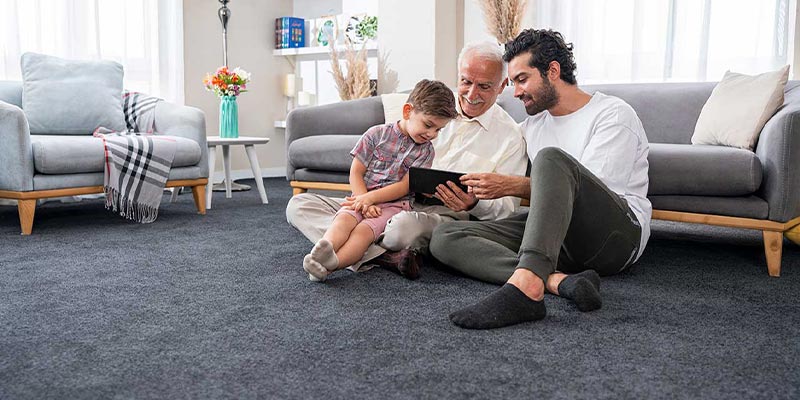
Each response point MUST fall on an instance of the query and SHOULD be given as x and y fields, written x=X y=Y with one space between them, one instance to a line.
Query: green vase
x=228 y=117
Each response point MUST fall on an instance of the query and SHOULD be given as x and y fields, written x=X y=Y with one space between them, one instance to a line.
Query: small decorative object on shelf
x=325 y=31
x=228 y=85
x=361 y=27
x=290 y=32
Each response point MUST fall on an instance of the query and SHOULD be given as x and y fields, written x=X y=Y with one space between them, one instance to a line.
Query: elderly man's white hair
x=485 y=50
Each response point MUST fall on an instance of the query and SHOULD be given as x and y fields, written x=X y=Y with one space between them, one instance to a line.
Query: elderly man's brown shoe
x=406 y=262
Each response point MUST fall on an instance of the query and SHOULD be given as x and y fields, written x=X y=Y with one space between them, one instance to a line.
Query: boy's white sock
x=316 y=272
x=323 y=254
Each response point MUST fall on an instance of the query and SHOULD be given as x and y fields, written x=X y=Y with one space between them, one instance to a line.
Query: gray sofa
x=42 y=166
x=688 y=183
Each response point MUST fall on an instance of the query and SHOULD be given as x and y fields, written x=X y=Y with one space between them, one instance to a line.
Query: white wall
x=418 y=39
x=250 y=45
x=315 y=8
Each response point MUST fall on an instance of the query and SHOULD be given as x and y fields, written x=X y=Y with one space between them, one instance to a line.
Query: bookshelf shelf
x=300 y=51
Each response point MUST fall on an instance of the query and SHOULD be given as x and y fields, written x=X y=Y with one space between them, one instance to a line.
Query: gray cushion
x=11 y=92
x=323 y=152
x=743 y=207
x=71 y=97
x=702 y=170
x=55 y=154
x=313 y=175
x=50 y=182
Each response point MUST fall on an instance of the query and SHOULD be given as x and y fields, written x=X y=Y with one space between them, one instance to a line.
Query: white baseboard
x=276 y=172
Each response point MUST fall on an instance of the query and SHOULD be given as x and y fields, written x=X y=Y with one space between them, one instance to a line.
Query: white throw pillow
x=393 y=106
x=739 y=107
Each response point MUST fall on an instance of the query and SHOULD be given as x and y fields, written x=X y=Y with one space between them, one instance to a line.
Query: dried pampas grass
x=503 y=18
x=355 y=84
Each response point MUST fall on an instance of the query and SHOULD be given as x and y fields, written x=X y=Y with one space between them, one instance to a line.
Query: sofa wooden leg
x=199 y=195
x=296 y=191
x=26 y=209
x=773 y=247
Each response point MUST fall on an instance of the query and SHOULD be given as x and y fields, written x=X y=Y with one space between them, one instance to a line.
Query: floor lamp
x=224 y=14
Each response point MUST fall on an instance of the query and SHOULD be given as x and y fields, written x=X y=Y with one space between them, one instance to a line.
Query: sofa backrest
x=11 y=92
x=669 y=111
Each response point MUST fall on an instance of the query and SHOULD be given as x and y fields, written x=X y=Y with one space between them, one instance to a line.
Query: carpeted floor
x=217 y=306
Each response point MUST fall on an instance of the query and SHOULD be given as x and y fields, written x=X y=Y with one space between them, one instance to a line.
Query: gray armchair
x=43 y=166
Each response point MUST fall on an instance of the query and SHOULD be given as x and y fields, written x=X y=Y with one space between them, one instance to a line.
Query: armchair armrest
x=16 y=155
x=183 y=121
x=352 y=117
x=778 y=149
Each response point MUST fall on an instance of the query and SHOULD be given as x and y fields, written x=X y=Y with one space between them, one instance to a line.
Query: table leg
x=226 y=164
x=212 y=158
x=251 y=154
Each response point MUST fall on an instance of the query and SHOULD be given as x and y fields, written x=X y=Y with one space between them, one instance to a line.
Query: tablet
x=425 y=180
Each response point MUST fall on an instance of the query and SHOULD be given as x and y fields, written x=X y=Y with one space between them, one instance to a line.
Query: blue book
x=296 y=32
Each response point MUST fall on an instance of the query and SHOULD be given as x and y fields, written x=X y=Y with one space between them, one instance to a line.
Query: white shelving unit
x=307 y=51
x=316 y=54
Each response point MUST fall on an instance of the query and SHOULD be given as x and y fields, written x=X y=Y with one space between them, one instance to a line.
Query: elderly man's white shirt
x=491 y=142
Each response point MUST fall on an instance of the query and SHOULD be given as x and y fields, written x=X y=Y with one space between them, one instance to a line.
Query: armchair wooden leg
x=296 y=191
x=199 y=194
x=26 y=209
x=773 y=248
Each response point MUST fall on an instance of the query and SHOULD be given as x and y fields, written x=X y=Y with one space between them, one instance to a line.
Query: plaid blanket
x=139 y=110
x=137 y=163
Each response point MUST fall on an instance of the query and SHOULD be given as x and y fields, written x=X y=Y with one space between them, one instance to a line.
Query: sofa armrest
x=778 y=149
x=183 y=121
x=352 y=117
x=16 y=155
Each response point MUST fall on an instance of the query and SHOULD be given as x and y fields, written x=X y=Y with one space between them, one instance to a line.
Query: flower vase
x=228 y=117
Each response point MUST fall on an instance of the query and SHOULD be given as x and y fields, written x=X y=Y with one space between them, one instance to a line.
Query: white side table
x=249 y=143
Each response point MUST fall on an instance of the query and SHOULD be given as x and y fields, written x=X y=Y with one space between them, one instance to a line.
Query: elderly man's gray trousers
x=574 y=223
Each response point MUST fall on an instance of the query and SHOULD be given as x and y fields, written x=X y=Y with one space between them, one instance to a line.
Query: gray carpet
x=217 y=306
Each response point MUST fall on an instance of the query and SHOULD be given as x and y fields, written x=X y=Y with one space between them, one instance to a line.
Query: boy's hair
x=545 y=46
x=433 y=98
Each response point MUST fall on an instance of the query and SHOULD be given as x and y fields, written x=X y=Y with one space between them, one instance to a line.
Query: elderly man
x=482 y=138
x=589 y=211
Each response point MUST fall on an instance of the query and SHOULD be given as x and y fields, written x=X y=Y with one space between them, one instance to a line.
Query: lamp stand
x=224 y=14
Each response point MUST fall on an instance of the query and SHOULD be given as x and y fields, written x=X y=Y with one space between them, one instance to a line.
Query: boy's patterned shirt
x=388 y=154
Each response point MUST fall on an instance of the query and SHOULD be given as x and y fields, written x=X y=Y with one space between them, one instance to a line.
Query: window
x=145 y=36
x=671 y=40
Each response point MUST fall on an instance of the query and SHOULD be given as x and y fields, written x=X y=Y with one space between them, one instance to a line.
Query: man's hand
x=454 y=198
x=486 y=186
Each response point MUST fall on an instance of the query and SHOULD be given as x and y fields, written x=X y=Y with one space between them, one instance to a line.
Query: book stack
x=290 y=32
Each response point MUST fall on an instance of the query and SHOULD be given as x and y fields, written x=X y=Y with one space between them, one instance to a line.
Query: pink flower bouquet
x=227 y=83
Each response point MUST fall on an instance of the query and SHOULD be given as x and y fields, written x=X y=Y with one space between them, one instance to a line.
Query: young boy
x=379 y=178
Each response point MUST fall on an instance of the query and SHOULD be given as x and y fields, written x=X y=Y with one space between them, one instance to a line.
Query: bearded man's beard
x=544 y=98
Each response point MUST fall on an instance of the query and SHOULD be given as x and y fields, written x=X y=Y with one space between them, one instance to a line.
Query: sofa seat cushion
x=702 y=170
x=323 y=152
x=739 y=206
x=69 y=154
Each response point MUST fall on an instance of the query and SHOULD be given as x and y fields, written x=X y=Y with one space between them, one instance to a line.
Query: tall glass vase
x=228 y=117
